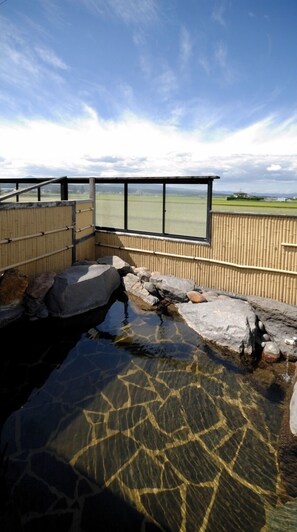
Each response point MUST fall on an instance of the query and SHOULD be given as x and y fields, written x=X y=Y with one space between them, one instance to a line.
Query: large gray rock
x=227 y=323
x=119 y=264
x=81 y=288
x=293 y=411
x=172 y=288
x=280 y=320
x=133 y=286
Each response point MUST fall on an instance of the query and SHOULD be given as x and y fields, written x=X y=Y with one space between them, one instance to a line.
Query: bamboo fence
x=39 y=237
x=249 y=254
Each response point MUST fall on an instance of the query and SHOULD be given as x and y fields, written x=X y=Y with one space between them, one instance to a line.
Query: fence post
x=92 y=194
x=64 y=189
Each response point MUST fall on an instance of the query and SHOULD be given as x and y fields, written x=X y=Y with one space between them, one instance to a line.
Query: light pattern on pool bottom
x=142 y=429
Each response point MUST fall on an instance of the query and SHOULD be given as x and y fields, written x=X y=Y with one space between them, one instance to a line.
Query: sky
x=151 y=88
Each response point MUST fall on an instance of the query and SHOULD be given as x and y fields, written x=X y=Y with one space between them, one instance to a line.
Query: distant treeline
x=244 y=196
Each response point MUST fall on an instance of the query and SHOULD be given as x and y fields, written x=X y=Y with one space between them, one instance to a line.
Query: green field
x=182 y=204
x=185 y=215
x=220 y=203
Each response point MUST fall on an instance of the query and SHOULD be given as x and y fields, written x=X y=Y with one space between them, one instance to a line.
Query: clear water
x=142 y=427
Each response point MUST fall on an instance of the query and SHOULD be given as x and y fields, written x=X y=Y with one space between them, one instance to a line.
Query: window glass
x=145 y=207
x=51 y=192
x=78 y=192
x=110 y=205
x=186 y=210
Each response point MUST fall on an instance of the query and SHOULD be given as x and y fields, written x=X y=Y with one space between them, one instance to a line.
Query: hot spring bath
x=142 y=427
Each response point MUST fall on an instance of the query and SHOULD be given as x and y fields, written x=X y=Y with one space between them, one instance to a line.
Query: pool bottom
x=141 y=427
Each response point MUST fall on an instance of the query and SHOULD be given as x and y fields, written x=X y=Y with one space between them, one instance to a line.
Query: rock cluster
x=251 y=328
x=254 y=330
x=241 y=325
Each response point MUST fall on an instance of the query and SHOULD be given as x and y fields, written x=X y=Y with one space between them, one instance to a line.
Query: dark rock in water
x=280 y=322
x=39 y=287
x=81 y=288
x=10 y=315
x=12 y=288
x=287 y=454
x=271 y=352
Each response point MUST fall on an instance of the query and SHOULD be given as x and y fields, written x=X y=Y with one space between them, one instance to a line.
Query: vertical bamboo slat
x=243 y=240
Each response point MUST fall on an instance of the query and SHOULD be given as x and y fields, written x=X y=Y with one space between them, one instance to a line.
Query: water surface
x=142 y=427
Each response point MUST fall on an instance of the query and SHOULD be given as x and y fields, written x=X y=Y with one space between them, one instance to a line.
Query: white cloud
x=166 y=82
x=219 y=12
x=133 y=145
x=24 y=64
x=221 y=54
x=49 y=57
x=204 y=63
x=185 y=46
x=129 y=11
x=274 y=168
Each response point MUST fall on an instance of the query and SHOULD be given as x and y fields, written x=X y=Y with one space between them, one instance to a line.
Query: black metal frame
x=65 y=181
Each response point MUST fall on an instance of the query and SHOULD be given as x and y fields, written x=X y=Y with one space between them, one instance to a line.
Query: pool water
x=139 y=425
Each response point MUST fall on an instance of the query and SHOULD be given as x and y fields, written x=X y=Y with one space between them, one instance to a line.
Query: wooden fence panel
x=249 y=254
x=36 y=237
x=84 y=231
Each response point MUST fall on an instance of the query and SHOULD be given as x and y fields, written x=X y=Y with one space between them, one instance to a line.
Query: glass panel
x=6 y=188
x=110 y=205
x=78 y=191
x=51 y=192
x=145 y=207
x=31 y=195
x=186 y=210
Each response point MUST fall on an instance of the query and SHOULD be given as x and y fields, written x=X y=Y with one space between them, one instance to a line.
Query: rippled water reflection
x=144 y=428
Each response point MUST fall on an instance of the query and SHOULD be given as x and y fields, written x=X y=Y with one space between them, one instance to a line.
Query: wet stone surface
x=142 y=428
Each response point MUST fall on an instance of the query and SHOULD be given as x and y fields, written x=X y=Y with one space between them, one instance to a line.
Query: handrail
x=193 y=257
x=44 y=256
x=35 y=235
x=16 y=191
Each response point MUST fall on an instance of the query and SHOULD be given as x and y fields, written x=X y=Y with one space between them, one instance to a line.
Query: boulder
x=172 y=288
x=119 y=264
x=134 y=287
x=13 y=284
x=293 y=405
x=280 y=321
x=196 y=297
x=12 y=288
x=34 y=297
x=39 y=286
x=271 y=352
x=81 y=288
x=229 y=324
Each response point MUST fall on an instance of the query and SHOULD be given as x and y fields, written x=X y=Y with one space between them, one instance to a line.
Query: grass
x=183 y=204
x=260 y=207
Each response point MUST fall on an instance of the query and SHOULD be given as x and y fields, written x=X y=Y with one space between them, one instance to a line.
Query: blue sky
x=151 y=87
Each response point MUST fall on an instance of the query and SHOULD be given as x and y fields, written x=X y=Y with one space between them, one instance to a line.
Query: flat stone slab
x=172 y=287
x=228 y=323
x=81 y=288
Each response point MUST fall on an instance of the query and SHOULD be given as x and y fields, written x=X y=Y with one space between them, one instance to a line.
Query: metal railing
x=115 y=223
x=41 y=182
